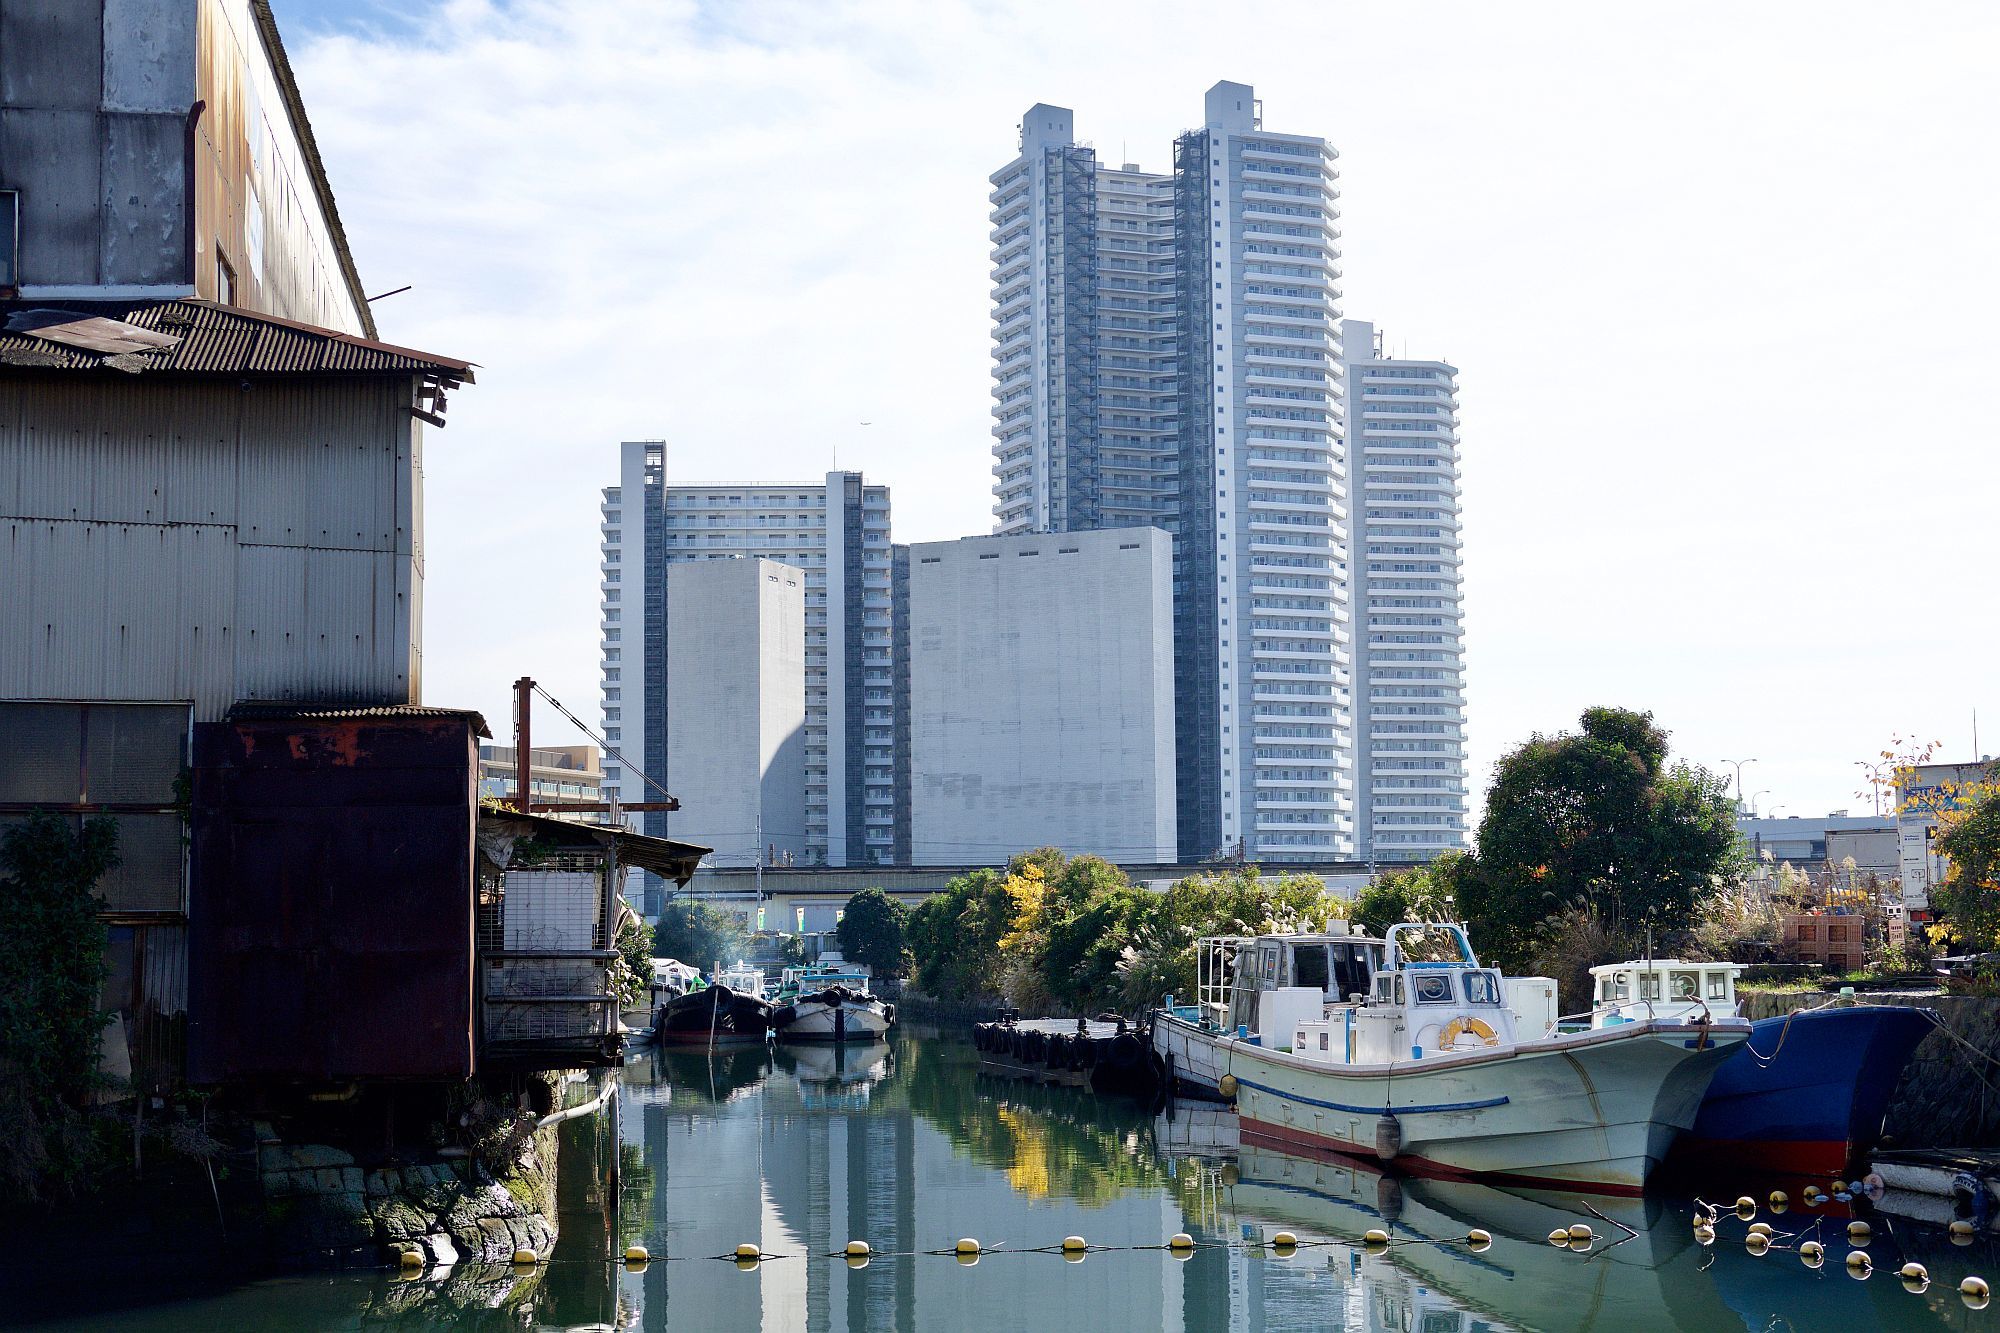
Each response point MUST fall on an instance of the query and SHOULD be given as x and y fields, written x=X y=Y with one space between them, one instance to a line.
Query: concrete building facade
x=555 y=773
x=736 y=708
x=1041 y=696
x=836 y=532
x=1409 y=659
x=1166 y=351
x=160 y=149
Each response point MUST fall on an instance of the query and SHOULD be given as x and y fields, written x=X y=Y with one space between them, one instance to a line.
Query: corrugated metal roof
x=663 y=856
x=251 y=710
x=212 y=340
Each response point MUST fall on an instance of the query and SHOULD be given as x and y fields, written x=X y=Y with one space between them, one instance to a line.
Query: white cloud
x=1718 y=280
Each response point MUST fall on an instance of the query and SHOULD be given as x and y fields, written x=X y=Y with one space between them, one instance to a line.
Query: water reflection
x=907 y=1146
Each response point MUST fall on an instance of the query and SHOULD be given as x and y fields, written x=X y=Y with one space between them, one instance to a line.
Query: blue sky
x=1718 y=280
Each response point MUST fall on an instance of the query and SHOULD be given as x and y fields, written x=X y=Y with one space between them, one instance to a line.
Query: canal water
x=909 y=1148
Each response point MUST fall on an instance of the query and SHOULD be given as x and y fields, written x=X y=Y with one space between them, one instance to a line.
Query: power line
x=609 y=748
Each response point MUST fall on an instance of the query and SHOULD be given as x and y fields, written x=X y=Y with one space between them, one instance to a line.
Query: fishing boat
x=1805 y=1095
x=1424 y=1068
x=714 y=1016
x=840 y=1010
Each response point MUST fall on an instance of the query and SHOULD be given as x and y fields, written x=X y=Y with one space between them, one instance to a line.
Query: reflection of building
x=555 y=773
x=1409 y=658
x=836 y=530
x=1042 y=696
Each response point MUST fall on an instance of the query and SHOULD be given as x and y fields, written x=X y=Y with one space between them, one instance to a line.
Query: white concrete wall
x=736 y=699
x=1041 y=694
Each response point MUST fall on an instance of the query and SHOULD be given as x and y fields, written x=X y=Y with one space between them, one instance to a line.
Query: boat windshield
x=1430 y=944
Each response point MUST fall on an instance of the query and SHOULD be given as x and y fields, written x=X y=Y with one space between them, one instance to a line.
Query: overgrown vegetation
x=874 y=931
x=1968 y=837
x=698 y=935
x=1053 y=933
x=632 y=970
x=51 y=973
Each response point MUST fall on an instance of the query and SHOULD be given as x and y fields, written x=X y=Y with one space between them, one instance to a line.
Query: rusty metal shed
x=331 y=867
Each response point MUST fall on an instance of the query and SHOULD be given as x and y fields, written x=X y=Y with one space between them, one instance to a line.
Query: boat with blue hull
x=1805 y=1095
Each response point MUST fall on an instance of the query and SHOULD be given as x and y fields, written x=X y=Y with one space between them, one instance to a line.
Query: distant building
x=1409 y=656
x=1806 y=841
x=1934 y=789
x=736 y=709
x=836 y=530
x=555 y=773
x=1166 y=351
x=1041 y=696
x=159 y=148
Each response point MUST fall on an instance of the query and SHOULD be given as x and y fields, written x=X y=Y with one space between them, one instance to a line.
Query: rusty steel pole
x=523 y=786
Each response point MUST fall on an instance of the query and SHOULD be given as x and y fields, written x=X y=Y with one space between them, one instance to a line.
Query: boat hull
x=715 y=1016
x=847 y=1021
x=1597 y=1111
x=1808 y=1097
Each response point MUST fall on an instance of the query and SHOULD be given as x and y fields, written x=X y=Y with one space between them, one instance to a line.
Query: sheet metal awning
x=663 y=856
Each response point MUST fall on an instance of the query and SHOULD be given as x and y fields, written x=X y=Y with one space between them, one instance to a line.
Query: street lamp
x=1739 y=775
x=1762 y=791
x=1874 y=780
x=1775 y=809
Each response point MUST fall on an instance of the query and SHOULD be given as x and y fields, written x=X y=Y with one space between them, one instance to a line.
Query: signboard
x=1934 y=789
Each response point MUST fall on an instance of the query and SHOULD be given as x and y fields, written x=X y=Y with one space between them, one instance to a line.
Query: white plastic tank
x=1533 y=1001
x=1280 y=1011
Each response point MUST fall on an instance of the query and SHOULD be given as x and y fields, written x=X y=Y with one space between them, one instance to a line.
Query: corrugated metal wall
x=171 y=539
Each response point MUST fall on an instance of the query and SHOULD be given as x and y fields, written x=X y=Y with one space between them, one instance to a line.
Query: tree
x=698 y=935
x=51 y=974
x=1428 y=892
x=1968 y=837
x=956 y=935
x=1596 y=821
x=873 y=931
x=632 y=974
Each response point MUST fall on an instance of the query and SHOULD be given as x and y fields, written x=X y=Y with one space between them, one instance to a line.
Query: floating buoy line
x=1761 y=1238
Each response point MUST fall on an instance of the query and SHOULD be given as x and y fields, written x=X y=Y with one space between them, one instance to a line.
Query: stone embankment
x=1949 y=1095
x=323 y=1207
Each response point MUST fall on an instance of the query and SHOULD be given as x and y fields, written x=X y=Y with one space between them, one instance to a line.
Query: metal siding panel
x=144 y=239
x=11 y=448
x=341 y=643
x=55 y=53
x=270 y=621
x=317 y=467
x=52 y=158
x=149 y=55
x=201 y=477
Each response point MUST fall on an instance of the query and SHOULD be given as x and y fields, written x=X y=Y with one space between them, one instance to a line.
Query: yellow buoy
x=1974 y=1292
x=966 y=1246
x=1762 y=1229
x=1180 y=1240
x=1778 y=1199
x=1226 y=1085
x=1284 y=1238
x=1811 y=1196
x=750 y=1265
x=1704 y=1235
x=856 y=1260
x=1375 y=1236
x=966 y=1260
x=1580 y=1231
x=411 y=1257
x=524 y=1256
x=749 y=1251
x=1962 y=1231
x=1914 y=1270
x=1812 y=1254
x=1756 y=1242
x=1560 y=1236
x=1859 y=1232
x=1859 y=1265
x=858 y=1249
x=1073 y=1243
x=1746 y=1208
x=1479 y=1240
x=637 y=1254
x=1074 y=1256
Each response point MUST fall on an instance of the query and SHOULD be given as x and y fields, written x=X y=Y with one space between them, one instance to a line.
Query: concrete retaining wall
x=1948 y=1097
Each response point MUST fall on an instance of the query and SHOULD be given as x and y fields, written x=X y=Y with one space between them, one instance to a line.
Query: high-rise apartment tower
x=1409 y=666
x=836 y=531
x=1167 y=352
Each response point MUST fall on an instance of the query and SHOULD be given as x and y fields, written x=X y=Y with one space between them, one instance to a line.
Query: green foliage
x=956 y=935
x=698 y=935
x=1596 y=821
x=1428 y=892
x=51 y=973
x=632 y=971
x=1969 y=839
x=873 y=932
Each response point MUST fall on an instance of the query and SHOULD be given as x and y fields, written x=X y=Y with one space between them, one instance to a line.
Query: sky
x=1718 y=279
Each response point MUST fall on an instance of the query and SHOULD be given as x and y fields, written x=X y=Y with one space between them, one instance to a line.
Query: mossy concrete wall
x=1948 y=1096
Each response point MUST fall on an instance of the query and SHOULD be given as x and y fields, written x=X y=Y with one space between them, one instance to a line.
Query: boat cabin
x=1661 y=988
x=1236 y=972
x=1429 y=997
x=743 y=979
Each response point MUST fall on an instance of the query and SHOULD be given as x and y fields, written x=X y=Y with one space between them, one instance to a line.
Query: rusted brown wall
x=331 y=911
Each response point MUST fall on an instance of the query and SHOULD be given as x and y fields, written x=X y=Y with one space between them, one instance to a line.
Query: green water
x=908 y=1148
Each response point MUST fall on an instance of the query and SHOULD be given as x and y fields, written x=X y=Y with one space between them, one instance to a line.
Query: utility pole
x=1739 y=776
x=523 y=690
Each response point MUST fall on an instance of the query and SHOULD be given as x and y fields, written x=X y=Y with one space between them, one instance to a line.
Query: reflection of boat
x=697 y=1075
x=714 y=1015
x=1426 y=1069
x=1191 y=1129
x=844 y=1011
x=836 y=1077
x=1805 y=1095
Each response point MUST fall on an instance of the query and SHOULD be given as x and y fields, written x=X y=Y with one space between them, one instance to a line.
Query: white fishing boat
x=840 y=1009
x=1423 y=1067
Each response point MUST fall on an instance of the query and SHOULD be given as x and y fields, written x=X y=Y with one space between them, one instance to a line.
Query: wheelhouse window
x=1649 y=985
x=1482 y=988
x=1433 y=987
x=1685 y=986
x=1309 y=966
x=1718 y=985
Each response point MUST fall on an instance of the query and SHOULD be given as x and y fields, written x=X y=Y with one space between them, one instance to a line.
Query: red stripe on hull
x=1813 y=1158
x=1263 y=1134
